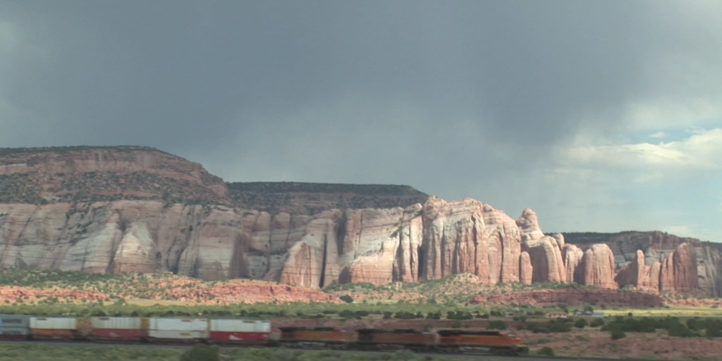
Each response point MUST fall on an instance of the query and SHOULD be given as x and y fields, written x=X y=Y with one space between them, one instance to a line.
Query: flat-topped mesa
x=83 y=174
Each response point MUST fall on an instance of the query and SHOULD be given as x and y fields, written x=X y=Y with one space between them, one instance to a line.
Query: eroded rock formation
x=598 y=267
x=109 y=210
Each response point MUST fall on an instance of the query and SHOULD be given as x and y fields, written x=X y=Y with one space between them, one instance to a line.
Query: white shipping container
x=179 y=324
x=53 y=323
x=225 y=325
x=116 y=323
x=177 y=335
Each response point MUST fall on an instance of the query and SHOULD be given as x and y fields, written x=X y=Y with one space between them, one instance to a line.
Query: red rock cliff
x=109 y=210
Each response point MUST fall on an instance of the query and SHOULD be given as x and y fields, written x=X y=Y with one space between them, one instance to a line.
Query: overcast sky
x=600 y=115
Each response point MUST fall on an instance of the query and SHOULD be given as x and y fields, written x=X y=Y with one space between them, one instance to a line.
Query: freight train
x=252 y=332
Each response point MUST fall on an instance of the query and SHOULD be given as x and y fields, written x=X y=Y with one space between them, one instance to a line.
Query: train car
x=404 y=338
x=118 y=328
x=14 y=326
x=483 y=340
x=239 y=331
x=320 y=335
x=64 y=328
x=177 y=329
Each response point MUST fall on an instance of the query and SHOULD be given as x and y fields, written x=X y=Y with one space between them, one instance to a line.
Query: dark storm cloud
x=441 y=95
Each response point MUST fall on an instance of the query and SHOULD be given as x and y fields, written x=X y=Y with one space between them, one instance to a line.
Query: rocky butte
x=121 y=209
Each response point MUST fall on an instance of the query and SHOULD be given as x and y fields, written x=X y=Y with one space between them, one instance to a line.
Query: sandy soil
x=595 y=343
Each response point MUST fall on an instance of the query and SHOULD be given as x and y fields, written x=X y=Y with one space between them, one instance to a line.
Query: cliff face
x=84 y=174
x=110 y=210
x=661 y=262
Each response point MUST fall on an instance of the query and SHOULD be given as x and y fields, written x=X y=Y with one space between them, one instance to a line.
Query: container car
x=118 y=328
x=54 y=327
x=178 y=329
x=239 y=331
x=14 y=326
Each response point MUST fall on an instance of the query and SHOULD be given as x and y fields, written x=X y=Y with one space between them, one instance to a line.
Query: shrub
x=497 y=325
x=346 y=298
x=679 y=330
x=617 y=334
x=580 y=323
x=597 y=322
x=714 y=330
x=403 y=315
x=459 y=315
x=546 y=351
x=201 y=352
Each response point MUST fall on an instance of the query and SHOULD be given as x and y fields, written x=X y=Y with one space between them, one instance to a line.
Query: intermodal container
x=14 y=321
x=116 y=323
x=118 y=328
x=240 y=331
x=178 y=328
x=226 y=325
x=53 y=323
x=14 y=326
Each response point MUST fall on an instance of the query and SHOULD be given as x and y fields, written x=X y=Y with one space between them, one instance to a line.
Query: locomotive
x=253 y=332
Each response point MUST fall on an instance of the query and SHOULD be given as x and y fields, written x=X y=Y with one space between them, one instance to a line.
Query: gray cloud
x=458 y=98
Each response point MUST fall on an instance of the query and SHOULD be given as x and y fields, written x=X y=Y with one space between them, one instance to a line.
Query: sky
x=600 y=115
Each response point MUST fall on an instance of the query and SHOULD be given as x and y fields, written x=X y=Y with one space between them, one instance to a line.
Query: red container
x=53 y=334
x=396 y=337
x=119 y=335
x=240 y=337
x=326 y=335
x=477 y=339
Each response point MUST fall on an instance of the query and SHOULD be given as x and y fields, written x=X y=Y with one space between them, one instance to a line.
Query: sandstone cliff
x=110 y=210
x=599 y=267
x=655 y=262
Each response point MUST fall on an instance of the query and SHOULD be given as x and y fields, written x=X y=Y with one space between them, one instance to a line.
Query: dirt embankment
x=595 y=343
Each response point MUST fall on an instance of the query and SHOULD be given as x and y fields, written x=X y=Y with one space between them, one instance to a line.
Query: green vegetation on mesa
x=311 y=198
x=78 y=148
x=304 y=187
